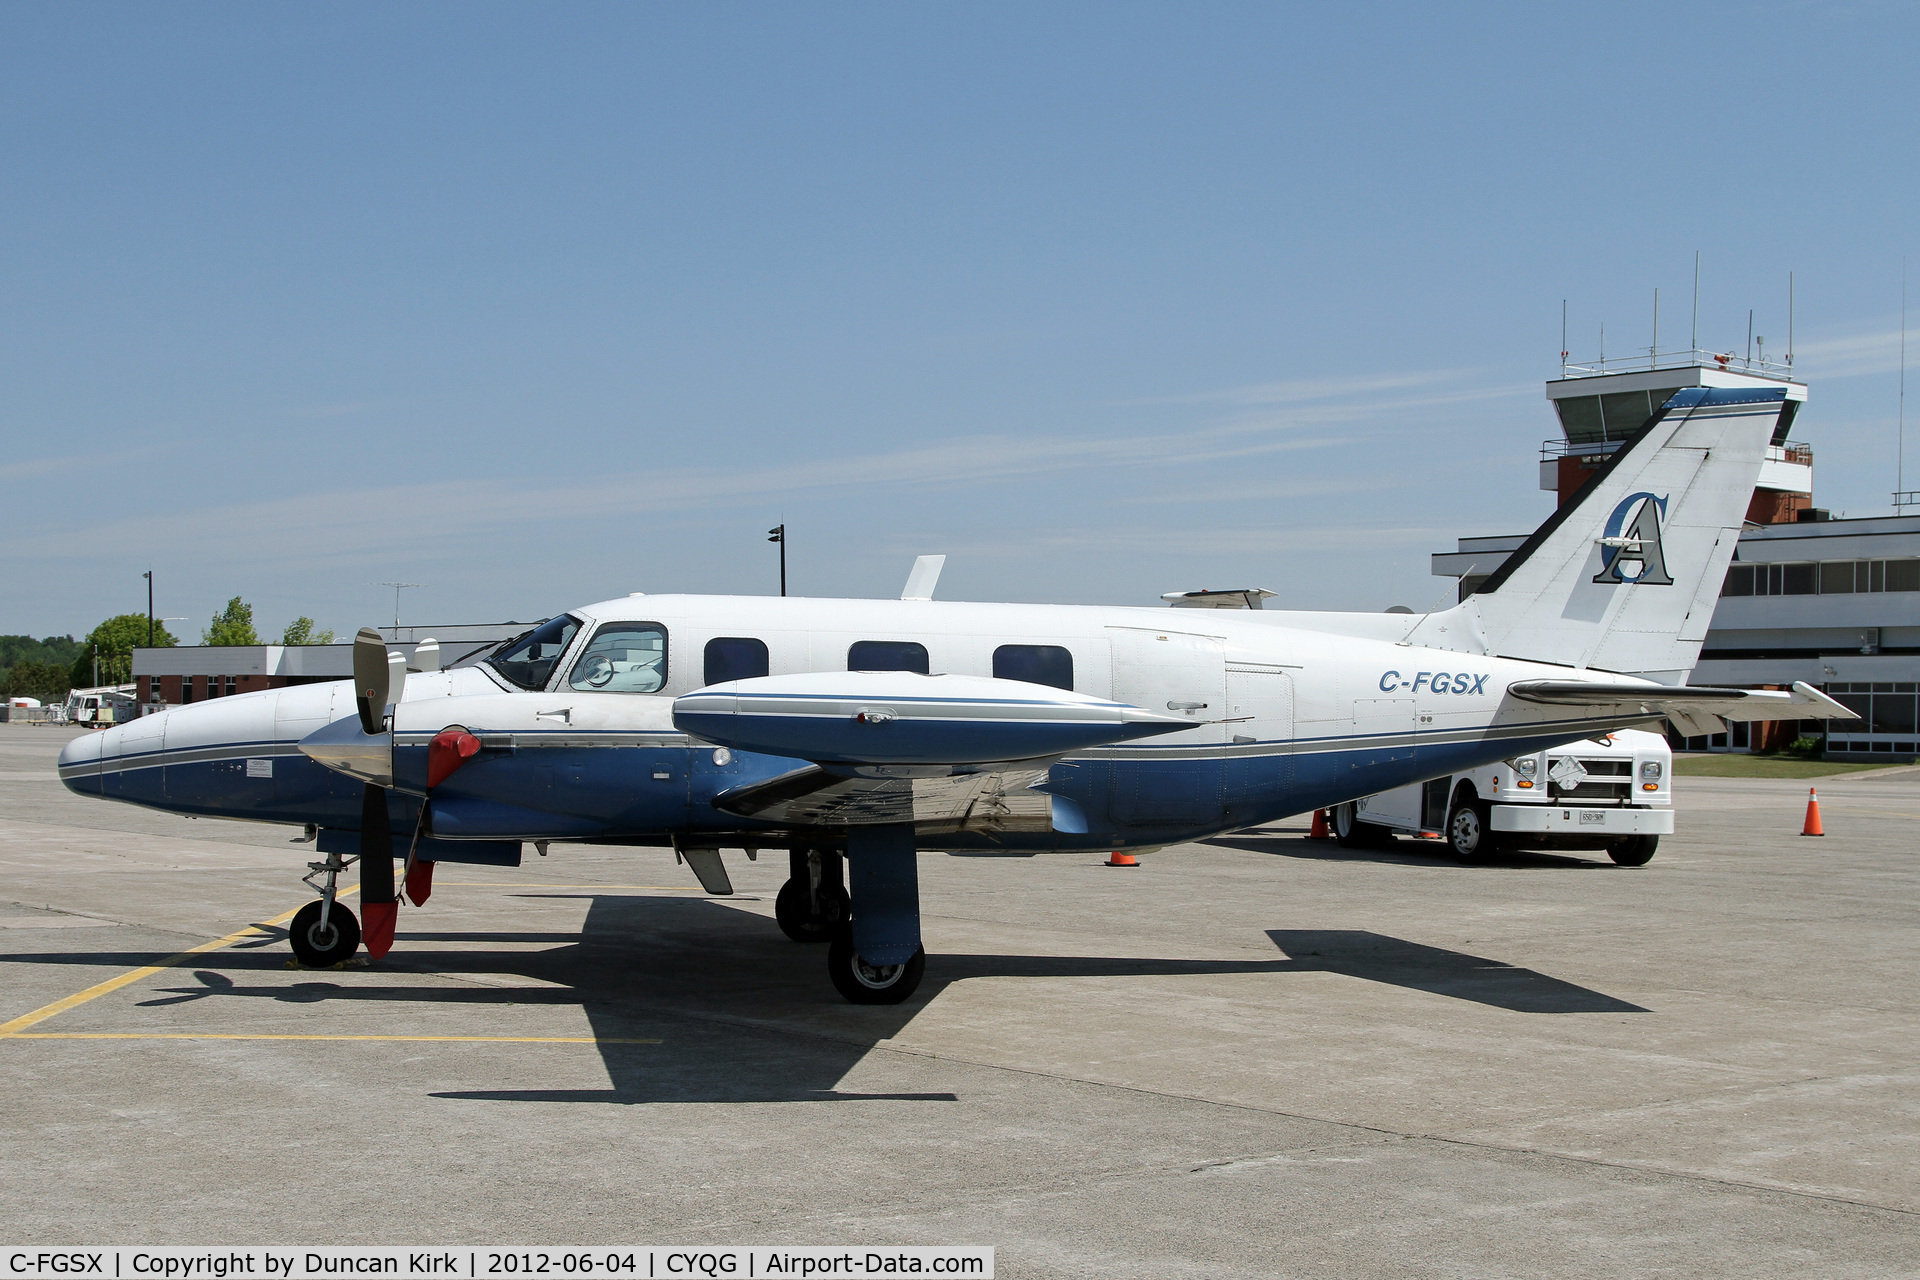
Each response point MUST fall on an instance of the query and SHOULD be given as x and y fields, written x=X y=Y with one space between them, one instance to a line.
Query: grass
x=1733 y=766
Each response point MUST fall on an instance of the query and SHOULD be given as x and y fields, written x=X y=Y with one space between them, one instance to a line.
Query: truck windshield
x=528 y=661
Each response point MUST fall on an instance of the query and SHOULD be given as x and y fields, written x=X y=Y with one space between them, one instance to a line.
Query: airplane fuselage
x=1285 y=720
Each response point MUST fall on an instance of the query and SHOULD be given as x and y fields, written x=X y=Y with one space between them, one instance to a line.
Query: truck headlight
x=1650 y=770
x=1526 y=766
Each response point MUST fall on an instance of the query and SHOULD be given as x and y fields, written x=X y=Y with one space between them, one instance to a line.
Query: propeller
x=372 y=683
x=379 y=683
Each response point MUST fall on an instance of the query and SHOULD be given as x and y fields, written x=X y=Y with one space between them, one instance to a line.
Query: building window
x=887 y=655
x=735 y=658
x=186 y=690
x=233 y=685
x=623 y=657
x=1047 y=664
x=1828 y=578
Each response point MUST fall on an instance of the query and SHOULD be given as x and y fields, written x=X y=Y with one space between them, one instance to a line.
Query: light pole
x=779 y=534
x=148 y=575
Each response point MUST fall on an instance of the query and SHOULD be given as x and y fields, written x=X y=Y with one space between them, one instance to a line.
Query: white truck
x=1612 y=792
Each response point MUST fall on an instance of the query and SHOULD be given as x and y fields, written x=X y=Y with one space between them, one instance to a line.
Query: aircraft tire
x=1634 y=851
x=1469 y=834
x=797 y=919
x=1351 y=833
x=318 y=950
x=862 y=983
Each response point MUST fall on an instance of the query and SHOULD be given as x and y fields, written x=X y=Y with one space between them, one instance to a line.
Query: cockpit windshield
x=528 y=661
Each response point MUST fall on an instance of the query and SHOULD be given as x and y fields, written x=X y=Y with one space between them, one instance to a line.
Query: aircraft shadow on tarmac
x=742 y=1015
x=1406 y=853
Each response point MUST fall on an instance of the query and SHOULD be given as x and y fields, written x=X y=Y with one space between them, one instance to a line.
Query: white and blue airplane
x=855 y=733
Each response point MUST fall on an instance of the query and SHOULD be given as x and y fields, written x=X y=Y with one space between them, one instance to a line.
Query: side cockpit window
x=622 y=657
x=528 y=661
x=735 y=658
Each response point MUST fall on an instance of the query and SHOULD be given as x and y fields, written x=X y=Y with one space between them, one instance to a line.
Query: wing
x=907 y=719
x=944 y=753
x=1692 y=711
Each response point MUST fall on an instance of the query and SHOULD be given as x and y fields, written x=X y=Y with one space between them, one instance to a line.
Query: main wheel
x=1355 y=834
x=864 y=983
x=316 y=947
x=1634 y=851
x=1470 y=831
x=798 y=919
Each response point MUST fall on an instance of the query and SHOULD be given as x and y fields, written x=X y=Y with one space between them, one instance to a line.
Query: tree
x=113 y=643
x=46 y=681
x=301 y=631
x=233 y=625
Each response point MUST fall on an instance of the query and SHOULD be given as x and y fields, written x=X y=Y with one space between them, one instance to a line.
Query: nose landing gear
x=325 y=932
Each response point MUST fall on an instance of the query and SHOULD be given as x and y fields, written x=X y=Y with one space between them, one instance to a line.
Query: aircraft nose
x=80 y=760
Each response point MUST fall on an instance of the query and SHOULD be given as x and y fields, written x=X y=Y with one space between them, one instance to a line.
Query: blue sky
x=537 y=305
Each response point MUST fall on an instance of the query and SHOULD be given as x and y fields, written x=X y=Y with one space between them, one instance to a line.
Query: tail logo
x=1630 y=551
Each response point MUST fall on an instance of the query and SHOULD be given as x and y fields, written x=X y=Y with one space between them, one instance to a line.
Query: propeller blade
x=378 y=909
x=370 y=679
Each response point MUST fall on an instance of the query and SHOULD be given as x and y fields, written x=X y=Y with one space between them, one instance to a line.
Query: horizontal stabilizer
x=1692 y=711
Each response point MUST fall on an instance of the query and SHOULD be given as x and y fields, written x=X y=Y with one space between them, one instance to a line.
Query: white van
x=1612 y=792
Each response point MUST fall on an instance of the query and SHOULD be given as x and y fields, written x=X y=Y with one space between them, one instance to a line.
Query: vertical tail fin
x=1624 y=577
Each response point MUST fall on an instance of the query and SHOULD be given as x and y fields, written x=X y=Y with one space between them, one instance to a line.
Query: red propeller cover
x=376 y=926
x=419 y=882
x=449 y=749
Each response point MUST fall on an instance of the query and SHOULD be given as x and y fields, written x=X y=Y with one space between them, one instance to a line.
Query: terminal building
x=1834 y=603
x=194 y=673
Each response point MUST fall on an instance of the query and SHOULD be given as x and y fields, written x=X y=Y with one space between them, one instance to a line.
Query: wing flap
x=989 y=802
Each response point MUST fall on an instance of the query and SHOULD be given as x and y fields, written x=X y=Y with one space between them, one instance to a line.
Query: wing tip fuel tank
x=901 y=717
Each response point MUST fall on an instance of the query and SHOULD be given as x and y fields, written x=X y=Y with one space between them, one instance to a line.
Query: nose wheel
x=325 y=932
x=322 y=937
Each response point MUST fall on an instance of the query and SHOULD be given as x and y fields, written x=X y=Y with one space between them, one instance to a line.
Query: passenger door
x=1259 y=741
x=1174 y=779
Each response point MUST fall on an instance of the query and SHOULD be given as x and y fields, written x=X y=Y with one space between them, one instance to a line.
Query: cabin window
x=529 y=661
x=1047 y=664
x=735 y=658
x=887 y=655
x=623 y=657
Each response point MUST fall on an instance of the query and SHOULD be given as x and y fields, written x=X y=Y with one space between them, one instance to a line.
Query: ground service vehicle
x=1611 y=792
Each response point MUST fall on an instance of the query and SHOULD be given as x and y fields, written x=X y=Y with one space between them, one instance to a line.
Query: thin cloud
x=1850 y=355
x=1304 y=390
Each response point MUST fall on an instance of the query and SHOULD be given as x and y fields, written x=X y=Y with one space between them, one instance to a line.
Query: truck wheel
x=1470 y=831
x=1355 y=834
x=1634 y=851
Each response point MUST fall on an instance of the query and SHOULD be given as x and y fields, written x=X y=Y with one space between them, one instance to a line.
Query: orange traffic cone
x=1319 y=831
x=1118 y=859
x=1812 y=827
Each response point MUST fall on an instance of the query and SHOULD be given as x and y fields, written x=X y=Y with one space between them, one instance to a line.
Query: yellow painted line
x=538 y=884
x=216 y=1035
x=111 y=985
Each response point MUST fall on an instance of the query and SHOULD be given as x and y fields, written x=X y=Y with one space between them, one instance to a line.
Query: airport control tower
x=1600 y=404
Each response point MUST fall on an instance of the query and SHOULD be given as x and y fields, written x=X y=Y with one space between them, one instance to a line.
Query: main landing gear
x=813 y=903
x=872 y=934
x=325 y=932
